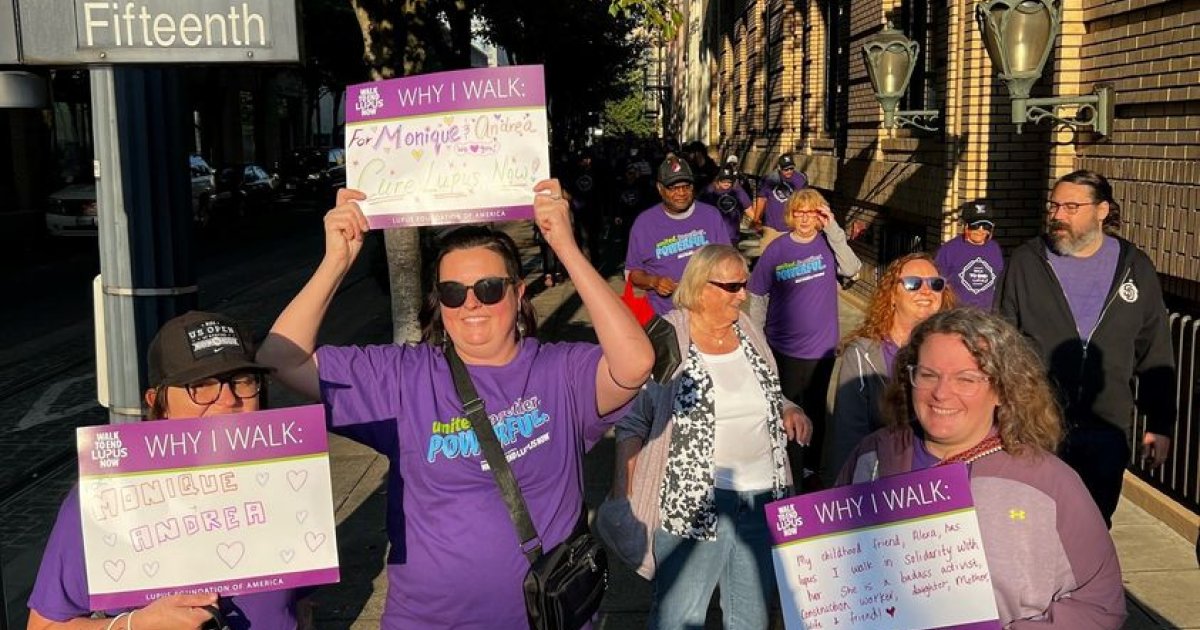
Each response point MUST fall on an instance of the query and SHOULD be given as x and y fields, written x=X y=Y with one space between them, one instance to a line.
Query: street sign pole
x=144 y=217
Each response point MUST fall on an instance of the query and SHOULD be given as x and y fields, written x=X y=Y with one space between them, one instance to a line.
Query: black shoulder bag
x=563 y=587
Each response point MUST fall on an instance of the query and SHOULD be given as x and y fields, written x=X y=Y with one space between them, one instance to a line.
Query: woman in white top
x=725 y=423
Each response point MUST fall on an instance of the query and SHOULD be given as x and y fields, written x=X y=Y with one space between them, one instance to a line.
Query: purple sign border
x=533 y=77
x=110 y=601
x=449 y=217
x=308 y=418
x=954 y=476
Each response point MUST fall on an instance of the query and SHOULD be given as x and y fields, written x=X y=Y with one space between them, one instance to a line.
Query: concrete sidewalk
x=1160 y=572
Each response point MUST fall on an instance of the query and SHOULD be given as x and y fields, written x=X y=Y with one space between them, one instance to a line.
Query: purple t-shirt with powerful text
x=661 y=244
x=1086 y=281
x=61 y=590
x=455 y=560
x=777 y=190
x=731 y=204
x=972 y=270
x=801 y=281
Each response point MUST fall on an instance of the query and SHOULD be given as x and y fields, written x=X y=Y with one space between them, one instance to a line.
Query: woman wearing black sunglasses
x=909 y=292
x=720 y=427
x=455 y=559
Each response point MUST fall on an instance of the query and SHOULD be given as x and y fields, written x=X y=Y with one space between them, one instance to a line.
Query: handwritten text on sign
x=452 y=147
x=233 y=504
x=903 y=552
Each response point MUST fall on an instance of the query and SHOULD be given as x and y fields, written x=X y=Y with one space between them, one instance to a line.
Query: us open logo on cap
x=212 y=337
x=980 y=209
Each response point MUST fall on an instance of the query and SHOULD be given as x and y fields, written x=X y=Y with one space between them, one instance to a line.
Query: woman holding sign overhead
x=455 y=559
x=970 y=389
x=200 y=364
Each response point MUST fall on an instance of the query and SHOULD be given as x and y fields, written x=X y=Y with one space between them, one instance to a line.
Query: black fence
x=1179 y=478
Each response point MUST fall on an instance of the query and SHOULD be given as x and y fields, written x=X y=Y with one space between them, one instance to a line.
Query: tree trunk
x=393 y=45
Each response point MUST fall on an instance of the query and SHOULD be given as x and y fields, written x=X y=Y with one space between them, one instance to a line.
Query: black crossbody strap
x=531 y=545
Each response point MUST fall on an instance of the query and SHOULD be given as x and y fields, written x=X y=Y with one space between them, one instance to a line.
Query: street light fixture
x=1018 y=36
x=891 y=57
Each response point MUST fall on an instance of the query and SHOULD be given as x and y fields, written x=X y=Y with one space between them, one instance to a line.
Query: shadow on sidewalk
x=362 y=546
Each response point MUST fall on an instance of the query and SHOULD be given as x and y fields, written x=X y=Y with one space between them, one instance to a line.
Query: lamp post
x=1018 y=36
x=890 y=57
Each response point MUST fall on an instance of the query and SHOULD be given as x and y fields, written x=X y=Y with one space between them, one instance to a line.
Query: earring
x=520 y=329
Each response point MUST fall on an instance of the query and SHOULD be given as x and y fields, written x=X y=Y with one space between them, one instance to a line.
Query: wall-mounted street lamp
x=891 y=57
x=1018 y=36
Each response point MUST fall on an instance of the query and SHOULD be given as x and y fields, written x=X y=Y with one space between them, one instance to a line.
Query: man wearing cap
x=973 y=263
x=773 y=196
x=729 y=199
x=665 y=235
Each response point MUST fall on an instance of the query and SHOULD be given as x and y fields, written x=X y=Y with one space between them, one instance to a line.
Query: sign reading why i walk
x=158 y=31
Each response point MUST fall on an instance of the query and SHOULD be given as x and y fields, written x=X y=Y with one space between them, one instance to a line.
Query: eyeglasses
x=981 y=225
x=207 y=391
x=913 y=283
x=1070 y=207
x=679 y=188
x=487 y=290
x=962 y=384
x=728 y=287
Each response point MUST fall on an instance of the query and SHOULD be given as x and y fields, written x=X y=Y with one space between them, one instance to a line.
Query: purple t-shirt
x=1086 y=281
x=777 y=191
x=455 y=559
x=61 y=590
x=889 y=350
x=972 y=270
x=661 y=244
x=731 y=204
x=801 y=281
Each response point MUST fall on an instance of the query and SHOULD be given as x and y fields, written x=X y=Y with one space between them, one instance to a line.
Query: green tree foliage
x=627 y=116
x=660 y=15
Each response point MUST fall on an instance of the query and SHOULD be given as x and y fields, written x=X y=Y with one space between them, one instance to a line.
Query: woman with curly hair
x=978 y=394
x=909 y=291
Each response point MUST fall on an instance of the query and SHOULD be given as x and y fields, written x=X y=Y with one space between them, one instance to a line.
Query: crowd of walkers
x=960 y=359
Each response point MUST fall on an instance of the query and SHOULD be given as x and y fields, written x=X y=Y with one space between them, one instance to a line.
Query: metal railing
x=1179 y=478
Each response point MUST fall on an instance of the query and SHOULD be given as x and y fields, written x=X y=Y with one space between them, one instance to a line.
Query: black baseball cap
x=977 y=211
x=673 y=171
x=727 y=174
x=786 y=161
x=198 y=345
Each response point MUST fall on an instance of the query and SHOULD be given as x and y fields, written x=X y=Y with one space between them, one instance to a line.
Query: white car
x=71 y=211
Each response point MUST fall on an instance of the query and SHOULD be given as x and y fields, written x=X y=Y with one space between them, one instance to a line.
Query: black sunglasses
x=913 y=283
x=986 y=225
x=728 y=287
x=487 y=290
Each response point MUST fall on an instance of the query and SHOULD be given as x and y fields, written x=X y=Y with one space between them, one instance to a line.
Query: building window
x=833 y=15
x=914 y=21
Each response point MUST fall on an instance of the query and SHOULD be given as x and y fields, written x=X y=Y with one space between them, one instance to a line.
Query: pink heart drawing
x=262 y=478
x=297 y=478
x=474 y=148
x=313 y=540
x=114 y=569
x=231 y=554
x=286 y=555
x=891 y=611
x=301 y=516
x=150 y=568
x=110 y=539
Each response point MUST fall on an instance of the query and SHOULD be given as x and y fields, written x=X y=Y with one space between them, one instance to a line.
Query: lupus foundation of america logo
x=108 y=450
x=369 y=101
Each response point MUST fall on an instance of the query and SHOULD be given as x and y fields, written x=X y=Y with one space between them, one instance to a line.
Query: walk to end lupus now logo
x=107 y=450
x=369 y=101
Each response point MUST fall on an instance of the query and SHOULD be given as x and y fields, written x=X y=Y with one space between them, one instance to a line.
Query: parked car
x=241 y=187
x=71 y=211
x=314 y=173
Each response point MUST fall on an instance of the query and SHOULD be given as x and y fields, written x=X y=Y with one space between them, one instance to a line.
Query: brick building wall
x=791 y=77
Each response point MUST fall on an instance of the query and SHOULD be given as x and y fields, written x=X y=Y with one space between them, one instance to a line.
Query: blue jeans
x=739 y=560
